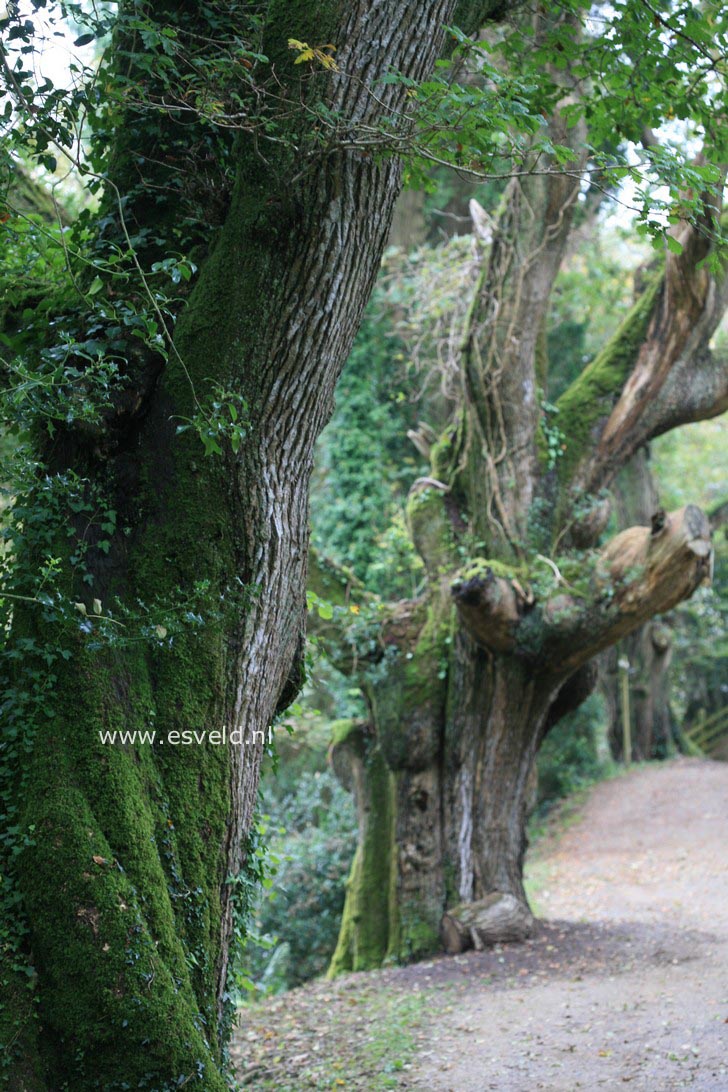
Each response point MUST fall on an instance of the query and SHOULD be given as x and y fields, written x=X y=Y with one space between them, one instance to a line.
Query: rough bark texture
x=129 y=877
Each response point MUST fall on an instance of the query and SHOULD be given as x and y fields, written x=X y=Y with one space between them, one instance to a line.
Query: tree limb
x=642 y=572
x=656 y=372
x=490 y=609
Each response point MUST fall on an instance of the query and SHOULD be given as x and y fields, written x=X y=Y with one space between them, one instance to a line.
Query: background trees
x=210 y=295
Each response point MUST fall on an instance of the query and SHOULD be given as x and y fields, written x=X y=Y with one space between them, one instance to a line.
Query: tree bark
x=130 y=873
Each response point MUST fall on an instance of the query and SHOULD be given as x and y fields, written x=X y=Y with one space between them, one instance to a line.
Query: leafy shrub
x=574 y=752
x=298 y=917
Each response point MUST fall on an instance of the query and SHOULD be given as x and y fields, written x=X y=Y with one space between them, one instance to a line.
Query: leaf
x=81 y=608
x=325 y=58
x=97 y=606
x=325 y=610
x=674 y=245
x=96 y=285
x=211 y=445
x=84 y=39
x=161 y=632
x=99 y=860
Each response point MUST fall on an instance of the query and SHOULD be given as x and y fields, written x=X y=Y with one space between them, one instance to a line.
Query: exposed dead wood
x=490 y=609
x=642 y=572
x=675 y=378
x=496 y=919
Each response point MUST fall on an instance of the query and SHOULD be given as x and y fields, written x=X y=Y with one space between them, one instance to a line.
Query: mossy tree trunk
x=125 y=879
x=467 y=679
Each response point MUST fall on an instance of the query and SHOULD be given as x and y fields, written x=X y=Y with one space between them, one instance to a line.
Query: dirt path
x=645 y=872
x=624 y=985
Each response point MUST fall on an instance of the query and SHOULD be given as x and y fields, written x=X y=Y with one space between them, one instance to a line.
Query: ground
x=624 y=985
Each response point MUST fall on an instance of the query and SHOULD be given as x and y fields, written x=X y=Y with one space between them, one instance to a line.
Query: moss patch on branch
x=590 y=398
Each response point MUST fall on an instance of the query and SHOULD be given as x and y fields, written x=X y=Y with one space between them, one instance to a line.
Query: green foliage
x=554 y=438
x=690 y=465
x=87 y=317
x=690 y=462
x=222 y=420
x=366 y=463
x=574 y=753
x=644 y=66
x=312 y=837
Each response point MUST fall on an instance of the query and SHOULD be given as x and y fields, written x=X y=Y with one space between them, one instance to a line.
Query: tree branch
x=642 y=572
x=490 y=608
x=656 y=372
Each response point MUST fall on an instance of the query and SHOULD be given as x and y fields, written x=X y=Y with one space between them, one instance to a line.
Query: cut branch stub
x=496 y=919
x=490 y=609
x=642 y=572
x=673 y=554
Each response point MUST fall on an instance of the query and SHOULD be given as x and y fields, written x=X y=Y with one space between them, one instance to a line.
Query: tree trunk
x=126 y=875
x=649 y=654
x=491 y=778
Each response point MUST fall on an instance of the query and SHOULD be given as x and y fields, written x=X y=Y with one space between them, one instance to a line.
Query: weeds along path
x=624 y=985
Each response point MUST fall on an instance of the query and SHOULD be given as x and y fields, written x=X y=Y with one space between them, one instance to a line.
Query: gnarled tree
x=464 y=681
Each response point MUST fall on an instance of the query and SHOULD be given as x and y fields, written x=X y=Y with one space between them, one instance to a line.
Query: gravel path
x=627 y=987
x=624 y=984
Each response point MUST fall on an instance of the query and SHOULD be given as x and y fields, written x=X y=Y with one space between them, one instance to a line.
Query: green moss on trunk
x=122 y=894
x=369 y=923
x=590 y=398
